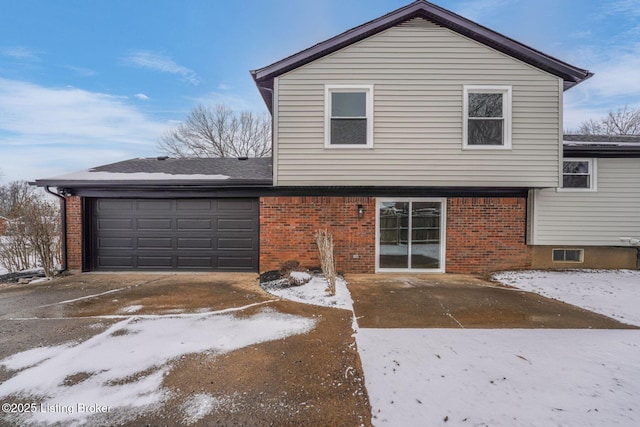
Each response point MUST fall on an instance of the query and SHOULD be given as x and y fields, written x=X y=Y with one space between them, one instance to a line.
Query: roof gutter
x=63 y=215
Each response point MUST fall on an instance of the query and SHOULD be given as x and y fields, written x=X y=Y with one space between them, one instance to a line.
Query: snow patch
x=614 y=293
x=314 y=292
x=197 y=407
x=131 y=308
x=122 y=368
x=501 y=377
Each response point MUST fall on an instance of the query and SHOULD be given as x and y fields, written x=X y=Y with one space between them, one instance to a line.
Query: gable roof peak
x=570 y=74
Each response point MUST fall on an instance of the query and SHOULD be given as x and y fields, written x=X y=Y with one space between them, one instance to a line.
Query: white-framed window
x=411 y=234
x=578 y=175
x=348 y=116
x=486 y=117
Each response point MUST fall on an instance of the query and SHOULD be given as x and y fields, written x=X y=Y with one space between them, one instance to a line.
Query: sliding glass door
x=410 y=234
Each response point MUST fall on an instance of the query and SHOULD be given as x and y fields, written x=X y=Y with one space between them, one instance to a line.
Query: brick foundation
x=74 y=233
x=486 y=234
x=288 y=224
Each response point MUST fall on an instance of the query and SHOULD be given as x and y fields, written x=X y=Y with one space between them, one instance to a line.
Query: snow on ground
x=314 y=292
x=123 y=367
x=506 y=377
x=502 y=377
x=614 y=293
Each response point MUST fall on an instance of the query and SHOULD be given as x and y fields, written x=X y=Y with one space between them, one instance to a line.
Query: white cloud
x=142 y=96
x=20 y=52
x=162 y=63
x=47 y=131
x=614 y=85
x=224 y=86
x=81 y=71
x=624 y=7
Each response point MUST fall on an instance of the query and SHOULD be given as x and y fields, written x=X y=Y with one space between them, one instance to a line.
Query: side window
x=349 y=116
x=578 y=174
x=487 y=117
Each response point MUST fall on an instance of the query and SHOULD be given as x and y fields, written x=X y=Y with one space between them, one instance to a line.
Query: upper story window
x=487 y=117
x=349 y=116
x=578 y=174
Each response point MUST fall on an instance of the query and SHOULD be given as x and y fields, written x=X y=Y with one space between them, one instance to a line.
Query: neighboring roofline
x=611 y=146
x=570 y=74
x=603 y=151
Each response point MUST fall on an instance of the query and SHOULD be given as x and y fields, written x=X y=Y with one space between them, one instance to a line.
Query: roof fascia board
x=602 y=152
x=152 y=184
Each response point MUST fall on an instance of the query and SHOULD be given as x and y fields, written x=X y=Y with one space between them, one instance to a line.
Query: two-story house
x=422 y=140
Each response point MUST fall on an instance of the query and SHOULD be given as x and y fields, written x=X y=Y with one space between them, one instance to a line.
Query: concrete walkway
x=459 y=301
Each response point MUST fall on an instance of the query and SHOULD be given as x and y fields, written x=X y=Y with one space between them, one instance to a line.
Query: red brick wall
x=486 y=234
x=288 y=224
x=74 y=233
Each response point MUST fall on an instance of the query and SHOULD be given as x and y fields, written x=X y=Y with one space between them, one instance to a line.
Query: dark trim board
x=355 y=191
x=610 y=152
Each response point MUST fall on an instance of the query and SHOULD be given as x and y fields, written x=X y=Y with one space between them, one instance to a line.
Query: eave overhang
x=602 y=151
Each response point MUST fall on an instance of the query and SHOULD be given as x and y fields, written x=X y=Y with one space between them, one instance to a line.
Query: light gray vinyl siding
x=418 y=71
x=598 y=218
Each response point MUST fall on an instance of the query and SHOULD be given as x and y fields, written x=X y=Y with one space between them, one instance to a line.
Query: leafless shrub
x=15 y=250
x=32 y=235
x=324 y=239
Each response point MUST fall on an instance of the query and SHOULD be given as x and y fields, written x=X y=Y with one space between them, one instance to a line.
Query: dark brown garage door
x=176 y=234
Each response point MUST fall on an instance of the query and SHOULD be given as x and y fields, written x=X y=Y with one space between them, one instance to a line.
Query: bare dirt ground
x=313 y=379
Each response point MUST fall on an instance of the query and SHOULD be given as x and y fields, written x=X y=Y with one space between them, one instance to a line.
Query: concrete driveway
x=460 y=301
x=311 y=379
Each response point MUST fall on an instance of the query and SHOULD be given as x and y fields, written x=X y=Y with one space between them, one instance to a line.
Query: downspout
x=63 y=215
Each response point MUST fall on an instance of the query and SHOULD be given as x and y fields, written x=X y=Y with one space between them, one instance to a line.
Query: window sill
x=486 y=147
x=345 y=146
x=576 y=190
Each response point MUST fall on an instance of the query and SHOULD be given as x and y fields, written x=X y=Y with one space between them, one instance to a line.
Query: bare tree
x=32 y=235
x=624 y=121
x=14 y=197
x=219 y=132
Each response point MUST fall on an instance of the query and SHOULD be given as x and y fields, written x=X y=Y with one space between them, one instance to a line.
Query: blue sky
x=85 y=83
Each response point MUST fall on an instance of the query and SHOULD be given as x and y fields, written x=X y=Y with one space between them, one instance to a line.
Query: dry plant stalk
x=324 y=239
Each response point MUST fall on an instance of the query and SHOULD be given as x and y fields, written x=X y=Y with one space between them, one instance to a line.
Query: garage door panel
x=189 y=234
x=195 y=262
x=154 y=205
x=115 y=205
x=115 y=224
x=116 y=243
x=163 y=262
x=116 y=261
x=154 y=224
x=230 y=224
x=194 y=205
x=195 y=224
x=235 y=263
x=235 y=244
x=195 y=243
x=155 y=243
x=236 y=205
